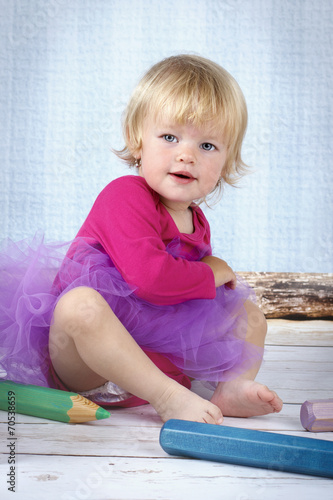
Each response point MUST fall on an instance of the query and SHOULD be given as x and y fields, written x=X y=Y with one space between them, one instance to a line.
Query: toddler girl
x=139 y=305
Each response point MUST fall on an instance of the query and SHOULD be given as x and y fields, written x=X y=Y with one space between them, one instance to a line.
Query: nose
x=186 y=154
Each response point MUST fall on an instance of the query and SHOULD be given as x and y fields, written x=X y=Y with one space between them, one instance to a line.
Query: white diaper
x=107 y=393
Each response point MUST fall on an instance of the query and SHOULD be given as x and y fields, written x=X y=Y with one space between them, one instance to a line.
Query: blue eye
x=169 y=138
x=207 y=146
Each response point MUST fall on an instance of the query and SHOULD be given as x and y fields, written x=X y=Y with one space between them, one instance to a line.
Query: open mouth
x=183 y=175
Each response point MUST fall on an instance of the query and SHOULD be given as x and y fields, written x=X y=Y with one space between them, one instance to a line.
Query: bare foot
x=180 y=403
x=245 y=398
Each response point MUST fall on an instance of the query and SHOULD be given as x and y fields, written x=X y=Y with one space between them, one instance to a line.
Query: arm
x=125 y=220
x=223 y=274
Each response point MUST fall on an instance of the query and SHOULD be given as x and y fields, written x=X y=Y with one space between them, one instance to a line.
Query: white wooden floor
x=120 y=458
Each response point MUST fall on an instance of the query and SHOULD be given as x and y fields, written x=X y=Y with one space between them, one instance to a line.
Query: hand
x=223 y=274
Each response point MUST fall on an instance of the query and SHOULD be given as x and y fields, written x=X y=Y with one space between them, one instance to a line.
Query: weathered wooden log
x=293 y=295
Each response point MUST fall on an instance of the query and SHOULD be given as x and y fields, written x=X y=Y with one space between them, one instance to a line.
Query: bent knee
x=256 y=319
x=77 y=309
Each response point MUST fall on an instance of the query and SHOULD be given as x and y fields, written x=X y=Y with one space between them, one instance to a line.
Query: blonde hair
x=189 y=88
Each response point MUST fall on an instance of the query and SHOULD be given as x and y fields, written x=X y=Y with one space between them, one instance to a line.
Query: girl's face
x=182 y=163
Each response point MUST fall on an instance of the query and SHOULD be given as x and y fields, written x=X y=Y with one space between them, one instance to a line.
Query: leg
x=242 y=396
x=89 y=346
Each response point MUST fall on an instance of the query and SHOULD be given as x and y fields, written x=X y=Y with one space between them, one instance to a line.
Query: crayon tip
x=102 y=413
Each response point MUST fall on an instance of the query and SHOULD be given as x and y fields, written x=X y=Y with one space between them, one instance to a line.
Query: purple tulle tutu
x=204 y=338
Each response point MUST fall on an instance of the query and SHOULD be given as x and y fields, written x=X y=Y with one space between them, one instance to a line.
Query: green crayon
x=48 y=403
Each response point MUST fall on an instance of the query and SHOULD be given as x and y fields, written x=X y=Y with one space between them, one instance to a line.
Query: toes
x=271 y=398
x=266 y=395
x=208 y=419
x=213 y=416
x=277 y=404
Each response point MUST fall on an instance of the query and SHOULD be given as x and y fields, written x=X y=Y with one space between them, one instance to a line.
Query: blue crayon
x=238 y=446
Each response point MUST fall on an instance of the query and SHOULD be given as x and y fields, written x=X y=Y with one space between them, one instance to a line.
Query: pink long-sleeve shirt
x=134 y=228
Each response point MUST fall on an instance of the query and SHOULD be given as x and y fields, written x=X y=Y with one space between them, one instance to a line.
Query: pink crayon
x=317 y=415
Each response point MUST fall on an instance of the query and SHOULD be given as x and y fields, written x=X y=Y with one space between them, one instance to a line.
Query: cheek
x=213 y=175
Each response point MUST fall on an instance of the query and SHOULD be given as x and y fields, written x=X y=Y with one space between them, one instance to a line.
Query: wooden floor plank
x=298 y=373
x=88 y=440
x=72 y=478
x=300 y=333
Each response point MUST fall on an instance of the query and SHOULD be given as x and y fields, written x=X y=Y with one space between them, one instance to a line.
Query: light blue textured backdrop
x=67 y=68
